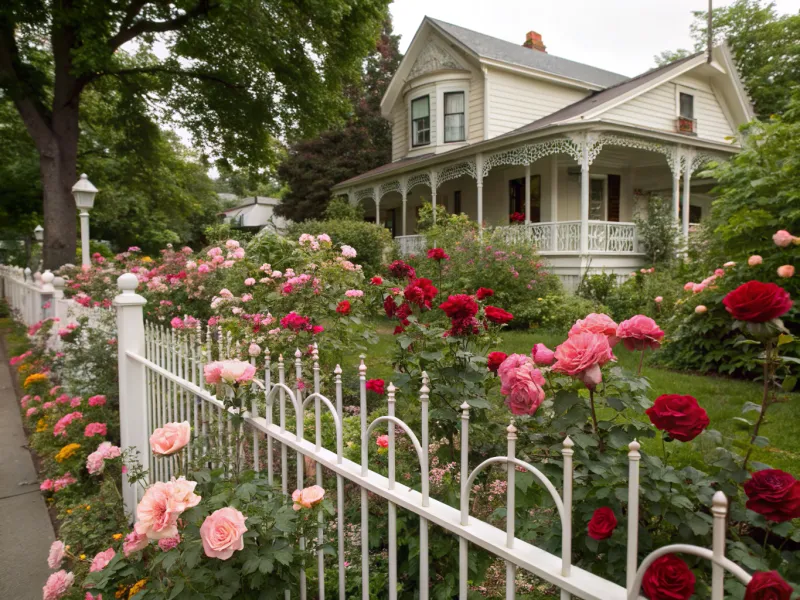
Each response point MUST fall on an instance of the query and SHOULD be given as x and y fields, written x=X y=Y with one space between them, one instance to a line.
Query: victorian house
x=490 y=128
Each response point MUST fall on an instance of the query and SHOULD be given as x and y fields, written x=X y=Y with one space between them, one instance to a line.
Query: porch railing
x=160 y=377
x=411 y=244
x=565 y=236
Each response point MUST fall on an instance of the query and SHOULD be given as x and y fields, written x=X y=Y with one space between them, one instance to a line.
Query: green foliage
x=312 y=166
x=340 y=209
x=372 y=242
x=559 y=311
x=637 y=295
x=446 y=225
x=657 y=232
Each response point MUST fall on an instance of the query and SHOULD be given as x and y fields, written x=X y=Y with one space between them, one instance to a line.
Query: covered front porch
x=575 y=196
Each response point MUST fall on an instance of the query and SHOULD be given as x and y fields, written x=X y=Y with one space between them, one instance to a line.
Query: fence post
x=48 y=295
x=134 y=432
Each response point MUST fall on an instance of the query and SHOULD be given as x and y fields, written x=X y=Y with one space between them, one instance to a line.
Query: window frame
x=414 y=144
x=445 y=114
x=681 y=94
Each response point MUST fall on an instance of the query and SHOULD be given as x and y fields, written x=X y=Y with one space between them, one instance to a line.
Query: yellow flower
x=540 y=299
x=136 y=587
x=41 y=425
x=34 y=379
x=67 y=452
x=146 y=259
x=88 y=506
x=121 y=592
x=117 y=536
x=69 y=511
x=82 y=557
x=24 y=368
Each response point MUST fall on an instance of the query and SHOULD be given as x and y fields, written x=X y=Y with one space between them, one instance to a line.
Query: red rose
x=773 y=493
x=484 y=293
x=459 y=327
x=403 y=311
x=767 y=586
x=420 y=292
x=494 y=360
x=438 y=254
x=459 y=307
x=602 y=524
x=498 y=315
x=516 y=217
x=376 y=280
x=376 y=385
x=680 y=416
x=389 y=306
x=343 y=308
x=668 y=578
x=757 y=302
x=402 y=270
x=399 y=329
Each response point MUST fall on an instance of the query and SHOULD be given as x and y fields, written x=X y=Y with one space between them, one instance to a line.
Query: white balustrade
x=411 y=244
x=565 y=236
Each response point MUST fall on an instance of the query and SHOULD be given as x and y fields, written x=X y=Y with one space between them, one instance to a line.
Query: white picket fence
x=161 y=380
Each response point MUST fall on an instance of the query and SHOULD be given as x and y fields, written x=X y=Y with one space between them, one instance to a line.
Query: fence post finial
x=719 y=512
x=633 y=513
x=566 y=526
x=132 y=380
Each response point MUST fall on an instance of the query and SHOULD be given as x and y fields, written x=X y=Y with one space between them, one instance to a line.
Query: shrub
x=657 y=232
x=558 y=311
x=372 y=242
x=639 y=294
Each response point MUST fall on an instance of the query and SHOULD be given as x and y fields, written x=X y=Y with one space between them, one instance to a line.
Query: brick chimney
x=534 y=41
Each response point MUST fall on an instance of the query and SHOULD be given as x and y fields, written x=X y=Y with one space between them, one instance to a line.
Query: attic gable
x=434 y=58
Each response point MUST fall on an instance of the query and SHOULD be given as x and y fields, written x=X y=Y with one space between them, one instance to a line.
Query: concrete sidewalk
x=25 y=528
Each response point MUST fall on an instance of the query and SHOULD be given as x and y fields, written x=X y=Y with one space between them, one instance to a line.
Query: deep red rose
x=668 y=578
x=767 y=586
x=389 y=306
x=498 y=315
x=343 y=308
x=401 y=270
x=295 y=322
x=602 y=524
x=494 y=360
x=773 y=493
x=680 y=416
x=438 y=254
x=403 y=311
x=376 y=385
x=420 y=292
x=459 y=327
x=376 y=280
x=516 y=217
x=399 y=329
x=757 y=302
x=317 y=329
x=484 y=293
x=459 y=307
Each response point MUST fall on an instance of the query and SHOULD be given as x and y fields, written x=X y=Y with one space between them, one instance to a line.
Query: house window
x=686 y=107
x=516 y=197
x=695 y=213
x=454 y=129
x=614 y=193
x=457 y=202
x=421 y=121
x=597 y=197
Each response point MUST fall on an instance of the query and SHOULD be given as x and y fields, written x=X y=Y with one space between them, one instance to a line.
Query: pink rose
x=381 y=442
x=582 y=355
x=134 y=542
x=97 y=401
x=542 y=355
x=170 y=438
x=57 y=552
x=597 y=323
x=254 y=349
x=786 y=271
x=183 y=493
x=162 y=504
x=101 y=559
x=700 y=309
x=230 y=371
x=783 y=238
x=730 y=263
x=522 y=386
x=222 y=533
x=640 y=332
x=688 y=286
x=57 y=585
x=46 y=485
x=249 y=281
x=167 y=544
x=658 y=299
x=93 y=429
x=308 y=497
x=755 y=260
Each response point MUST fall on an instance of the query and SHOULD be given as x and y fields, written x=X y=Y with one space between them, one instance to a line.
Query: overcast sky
x=617 y=35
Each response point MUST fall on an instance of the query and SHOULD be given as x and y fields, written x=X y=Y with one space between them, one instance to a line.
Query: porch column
x=676 y=184
x=434 y=185
x=527 y=194
x=479 y=181
x=554 y=188
x=585 y=198
x=377 y=193
x=687 y=178
x=404 y=197
x=405 y=206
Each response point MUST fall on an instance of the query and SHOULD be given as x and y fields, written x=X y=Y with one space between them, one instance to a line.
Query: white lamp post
x=38 y=233
x=84 y=193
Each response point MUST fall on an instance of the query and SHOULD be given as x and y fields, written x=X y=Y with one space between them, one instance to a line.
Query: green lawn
x=722 y=398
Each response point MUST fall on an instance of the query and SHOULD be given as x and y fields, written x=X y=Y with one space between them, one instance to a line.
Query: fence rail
x=160 y=377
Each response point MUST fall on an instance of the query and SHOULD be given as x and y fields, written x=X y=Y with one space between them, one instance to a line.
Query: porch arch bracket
x=363 y=193
x=453 y=171
x=701 y=159
x=670 y=151
x=530 y=153
x=390 y=186
x=418 y=179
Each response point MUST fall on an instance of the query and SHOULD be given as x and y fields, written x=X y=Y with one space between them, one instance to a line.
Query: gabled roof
x=251 y=201
x=486 y=46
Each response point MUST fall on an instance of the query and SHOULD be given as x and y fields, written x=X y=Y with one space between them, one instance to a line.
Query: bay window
x=421 y=121
x=454 y=126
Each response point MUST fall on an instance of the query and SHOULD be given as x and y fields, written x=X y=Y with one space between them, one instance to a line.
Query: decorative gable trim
x=434 y=58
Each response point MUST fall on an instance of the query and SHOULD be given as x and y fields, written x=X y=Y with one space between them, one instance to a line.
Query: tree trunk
x=60 y=228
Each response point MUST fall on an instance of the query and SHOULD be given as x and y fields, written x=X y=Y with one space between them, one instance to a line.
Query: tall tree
x=764 y=45
x=313 y=166
x=236 y=72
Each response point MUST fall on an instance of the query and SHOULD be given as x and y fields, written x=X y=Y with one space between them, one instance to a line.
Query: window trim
x=445 y=114
x=414 y=143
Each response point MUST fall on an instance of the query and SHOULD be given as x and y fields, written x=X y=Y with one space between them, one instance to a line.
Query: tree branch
x=202 y=8
x=177 y=72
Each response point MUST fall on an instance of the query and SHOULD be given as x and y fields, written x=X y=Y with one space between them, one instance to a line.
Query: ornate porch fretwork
x=418 y=179
x=530 y=153
x=433 y=58
x=363 y=193
x=701 y=159
x=391 y=186
x=668 y=150
x=453 y=171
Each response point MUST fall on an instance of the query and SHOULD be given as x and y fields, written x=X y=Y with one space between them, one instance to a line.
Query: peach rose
x=542 y=355
x=161 y=506
x=307 y=497
x=783 y=238
x=582 y=355
x=597 y=323
x=170 y=438
x=522 y=387
x=229 y=371
x=183 y=493
x=56 y=555
x=134 y=542
x=658 y=299
x=222 y=533
x=786 y=271
x=100 y=561
x=700 y=309
x=640 y=332
x=755 y=260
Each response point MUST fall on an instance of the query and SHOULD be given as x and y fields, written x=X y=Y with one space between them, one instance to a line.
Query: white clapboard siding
x=657 y=109
x=399 y=131
x=475 y=126
x=515 y=100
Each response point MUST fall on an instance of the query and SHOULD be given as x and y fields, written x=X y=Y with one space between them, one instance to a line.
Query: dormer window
x=421 y=121
x=454 y=129
x=686 y=121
